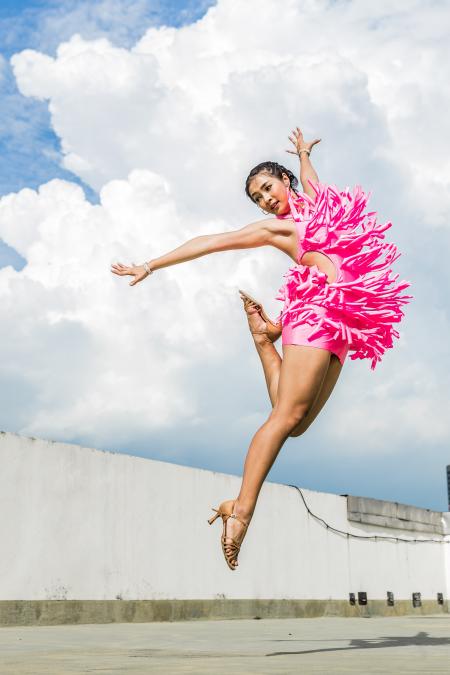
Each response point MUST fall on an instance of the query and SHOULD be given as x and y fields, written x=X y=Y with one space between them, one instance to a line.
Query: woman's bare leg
x=270 y=358
x=332 y=376
x=303 y=371
x=271 y=363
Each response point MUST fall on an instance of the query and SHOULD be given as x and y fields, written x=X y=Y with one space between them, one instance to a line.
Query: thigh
x=331 y=377
x=303 y=371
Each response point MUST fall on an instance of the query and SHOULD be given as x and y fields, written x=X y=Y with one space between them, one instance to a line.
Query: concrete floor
x=324 y=645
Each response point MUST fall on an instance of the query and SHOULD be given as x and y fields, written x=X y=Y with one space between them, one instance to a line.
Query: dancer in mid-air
x=339 y=296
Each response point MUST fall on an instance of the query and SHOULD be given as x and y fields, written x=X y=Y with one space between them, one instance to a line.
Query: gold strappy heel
x=234 y=546
x=273 y=330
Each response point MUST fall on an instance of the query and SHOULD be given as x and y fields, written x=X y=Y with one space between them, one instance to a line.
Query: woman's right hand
x=136 y=271
x=299 y=142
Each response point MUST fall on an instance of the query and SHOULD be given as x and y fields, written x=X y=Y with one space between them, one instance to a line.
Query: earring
x=266 y=213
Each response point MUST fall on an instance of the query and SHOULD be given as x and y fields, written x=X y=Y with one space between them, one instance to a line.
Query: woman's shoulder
x=280 y=226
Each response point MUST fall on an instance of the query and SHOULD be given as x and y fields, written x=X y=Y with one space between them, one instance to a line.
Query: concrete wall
x=83 y=524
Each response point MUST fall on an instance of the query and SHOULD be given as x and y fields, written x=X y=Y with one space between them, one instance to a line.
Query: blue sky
x=29 y=147
x=206 y=99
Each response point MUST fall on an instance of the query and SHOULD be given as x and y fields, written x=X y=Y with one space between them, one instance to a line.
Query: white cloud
x=193 y=93
x=167 y=131
x=138 y=342
x=408 y=405
x=46 y=25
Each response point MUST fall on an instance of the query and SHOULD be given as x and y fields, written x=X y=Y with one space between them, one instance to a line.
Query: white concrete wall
x=81 y=524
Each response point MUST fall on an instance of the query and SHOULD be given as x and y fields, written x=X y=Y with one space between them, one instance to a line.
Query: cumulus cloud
x=138 y=342
x=166 y=131
x=30 y=150
x=45 y=25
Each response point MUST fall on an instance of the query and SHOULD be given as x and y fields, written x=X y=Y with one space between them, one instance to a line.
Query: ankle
x=244 y=509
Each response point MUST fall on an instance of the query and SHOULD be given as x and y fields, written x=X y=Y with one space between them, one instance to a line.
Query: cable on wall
x=374 y=537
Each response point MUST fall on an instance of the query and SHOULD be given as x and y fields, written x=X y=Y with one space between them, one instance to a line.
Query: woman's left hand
x=136 y=271
x=299 y=142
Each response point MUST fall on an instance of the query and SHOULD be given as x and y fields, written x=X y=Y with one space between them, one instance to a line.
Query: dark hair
x=274 y=169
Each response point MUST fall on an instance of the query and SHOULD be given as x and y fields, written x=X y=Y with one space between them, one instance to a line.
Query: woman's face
x=269 y=193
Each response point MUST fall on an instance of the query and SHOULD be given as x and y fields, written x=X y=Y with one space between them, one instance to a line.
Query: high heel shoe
x=273 y=330
x=234 y=546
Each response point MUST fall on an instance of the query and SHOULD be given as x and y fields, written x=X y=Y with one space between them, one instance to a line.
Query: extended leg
x=271 y=363
x=302 y=374
x=270 y=358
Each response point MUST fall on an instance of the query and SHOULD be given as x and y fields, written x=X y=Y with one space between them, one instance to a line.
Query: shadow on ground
x=422 y=639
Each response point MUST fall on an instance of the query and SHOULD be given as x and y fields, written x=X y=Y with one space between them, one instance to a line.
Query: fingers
x=117 y=271
x=136 y=280
x=122 y=270
x=138 y=277
x=298 y=141
x=118 y=268
x=295 y=138
x=297 y=133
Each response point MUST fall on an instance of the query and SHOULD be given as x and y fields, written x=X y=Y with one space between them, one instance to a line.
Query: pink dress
x=356 y=312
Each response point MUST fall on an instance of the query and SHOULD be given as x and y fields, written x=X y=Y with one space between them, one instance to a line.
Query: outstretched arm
x=307 y=172
x=250 y=236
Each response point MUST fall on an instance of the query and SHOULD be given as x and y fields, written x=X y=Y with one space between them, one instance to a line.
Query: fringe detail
x=361 y=311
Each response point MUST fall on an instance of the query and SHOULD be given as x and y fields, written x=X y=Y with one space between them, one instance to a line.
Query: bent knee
x=290 y=421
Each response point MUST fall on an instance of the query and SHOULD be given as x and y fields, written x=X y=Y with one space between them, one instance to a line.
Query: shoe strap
x=261 y=313
x=233 y=515
x=230 y=515
x=233 y=545
x=250 y=303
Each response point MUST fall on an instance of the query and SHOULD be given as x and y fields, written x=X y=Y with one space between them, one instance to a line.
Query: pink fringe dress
x=356 y=312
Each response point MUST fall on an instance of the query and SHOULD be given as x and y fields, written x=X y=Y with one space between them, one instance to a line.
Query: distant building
x=448 y=485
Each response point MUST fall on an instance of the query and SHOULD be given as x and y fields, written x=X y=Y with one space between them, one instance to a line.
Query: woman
x=338 y=296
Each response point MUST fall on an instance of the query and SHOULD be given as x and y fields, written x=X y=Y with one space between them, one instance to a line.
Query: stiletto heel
x=213 y=518
x=234 y=546
x=273 y=330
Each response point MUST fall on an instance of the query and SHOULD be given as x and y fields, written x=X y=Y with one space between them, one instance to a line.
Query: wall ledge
x=394 y=515
x=58 y=612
